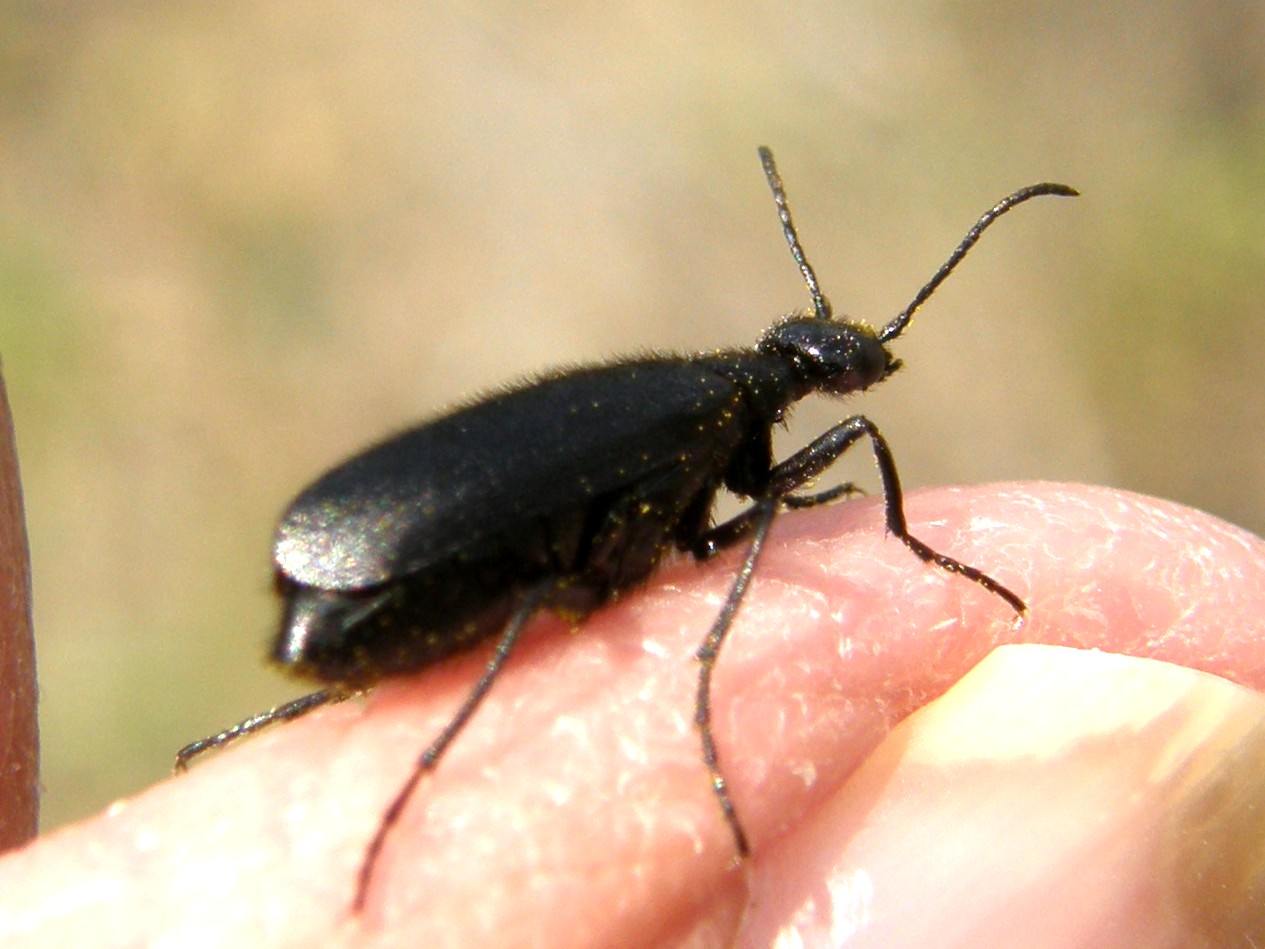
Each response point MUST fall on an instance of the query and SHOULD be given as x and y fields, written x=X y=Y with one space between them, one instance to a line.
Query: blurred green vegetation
x=237 y=241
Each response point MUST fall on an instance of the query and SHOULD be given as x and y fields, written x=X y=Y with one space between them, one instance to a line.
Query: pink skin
x=574 y=810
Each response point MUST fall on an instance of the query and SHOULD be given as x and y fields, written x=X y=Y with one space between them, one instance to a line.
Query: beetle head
x=830 y=356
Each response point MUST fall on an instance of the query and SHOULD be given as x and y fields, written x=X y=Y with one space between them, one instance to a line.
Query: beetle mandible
x=440 y=538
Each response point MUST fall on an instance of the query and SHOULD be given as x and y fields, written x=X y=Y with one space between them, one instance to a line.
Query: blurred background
x=238 y=241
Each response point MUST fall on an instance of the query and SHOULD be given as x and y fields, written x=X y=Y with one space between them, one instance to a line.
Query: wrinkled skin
x=574 y=810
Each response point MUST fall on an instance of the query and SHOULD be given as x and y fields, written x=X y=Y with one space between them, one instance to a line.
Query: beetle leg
x=822 y=452
x=725 y=535
x=754 y=522
x=797 y=502
x=524 y=611
x=757 y=520
x=713 y=541
x=282 y=713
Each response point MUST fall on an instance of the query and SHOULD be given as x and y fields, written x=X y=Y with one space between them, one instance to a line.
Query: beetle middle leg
x=742 y=525
x=757 y=519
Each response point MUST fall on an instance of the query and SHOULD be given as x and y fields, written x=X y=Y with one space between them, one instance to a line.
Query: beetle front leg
x=809 y=462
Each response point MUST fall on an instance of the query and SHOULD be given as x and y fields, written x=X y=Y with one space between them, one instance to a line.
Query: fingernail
x=1053 y=797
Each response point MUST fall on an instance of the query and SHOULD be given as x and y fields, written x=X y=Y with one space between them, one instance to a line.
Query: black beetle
x=562 y=493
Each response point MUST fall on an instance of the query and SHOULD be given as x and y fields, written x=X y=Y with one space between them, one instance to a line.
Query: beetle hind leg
x=282 y=713
x=530 y=602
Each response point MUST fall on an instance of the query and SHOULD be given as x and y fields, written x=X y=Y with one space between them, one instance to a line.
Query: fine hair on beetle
x=458 y=531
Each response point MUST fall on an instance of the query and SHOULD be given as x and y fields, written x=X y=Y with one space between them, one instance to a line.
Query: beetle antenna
x=821 y=306
x=894 y=328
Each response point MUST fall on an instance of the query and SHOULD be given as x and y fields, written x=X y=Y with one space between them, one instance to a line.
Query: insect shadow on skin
x=562 y=493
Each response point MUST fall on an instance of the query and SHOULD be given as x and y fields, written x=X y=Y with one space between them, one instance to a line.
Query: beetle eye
x=865 y=364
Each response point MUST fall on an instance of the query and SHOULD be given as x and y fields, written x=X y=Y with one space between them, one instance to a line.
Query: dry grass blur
x=239 y=240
